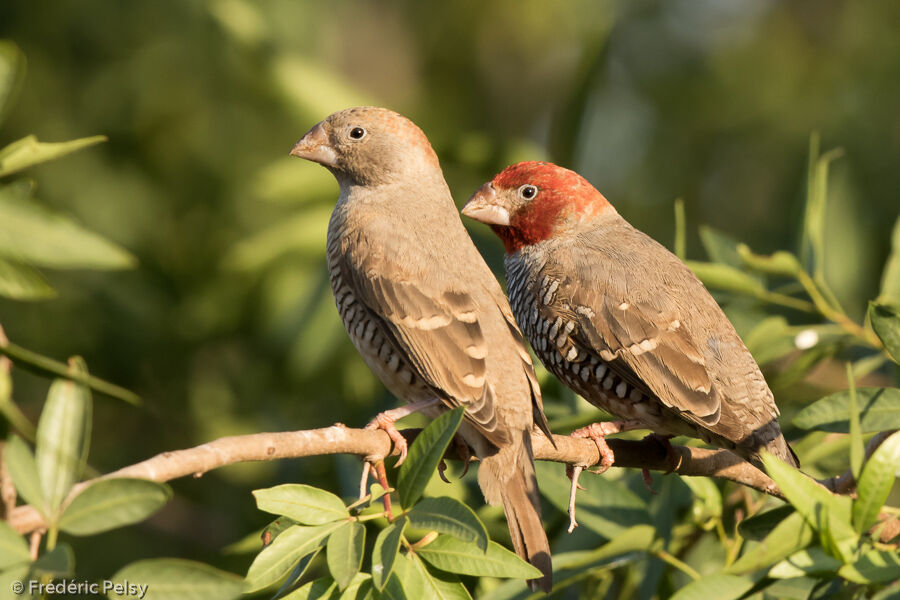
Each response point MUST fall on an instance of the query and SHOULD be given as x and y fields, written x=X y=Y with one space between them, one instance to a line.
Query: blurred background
x=226 y=325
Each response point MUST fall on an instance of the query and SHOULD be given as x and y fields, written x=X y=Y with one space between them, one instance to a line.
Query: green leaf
x=724 y=277
x=63 y=438
x=419 y=581
x=790 y=535
x=758 y=526
x=360 y=588
x=450 y=516
x=303 y=234
x=780 y=263
x=34 y=235
x=345 y=552
x=811 y=561
x=278 y=558
x=24 y=472
x=885 y=321
x=59 y=562
x=425 y=454
x=876 y=566
x=718 y=586
x=879 y=409
x=323 y=588
x=825 y=512
x=875 y=483
x=173 y=579
x=605 y=506
x=452 y=555
x=14 y=576
x=890 y=280
x=276 y=528
x=112 y=503
x=28 y=151
x=637 y=539
x=21 y=282
x=292 y=582
x=13 y=547
x=387 y=546
x=720 y=247
x=303 y=503
x=680 y=246
x=857 y=450
x=393 y=589
x=707 y=507
x=12 y=76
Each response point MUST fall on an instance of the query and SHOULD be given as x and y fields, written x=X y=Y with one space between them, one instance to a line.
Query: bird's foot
x=671 y=458
x=386 y=420
x=596 y=432
x=464 y=454
x=376 y=467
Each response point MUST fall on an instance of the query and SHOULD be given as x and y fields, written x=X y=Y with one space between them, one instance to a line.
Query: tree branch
x=375 y=444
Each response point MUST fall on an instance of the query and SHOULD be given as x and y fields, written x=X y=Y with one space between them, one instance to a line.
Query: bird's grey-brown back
x=616 y=263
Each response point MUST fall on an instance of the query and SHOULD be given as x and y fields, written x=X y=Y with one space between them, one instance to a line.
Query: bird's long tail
x=518 y=492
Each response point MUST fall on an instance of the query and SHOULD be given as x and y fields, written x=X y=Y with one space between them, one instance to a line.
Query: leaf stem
x=678 y=564
x=835 y=316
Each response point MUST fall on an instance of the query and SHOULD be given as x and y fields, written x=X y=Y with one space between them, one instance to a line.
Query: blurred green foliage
x=224 y=323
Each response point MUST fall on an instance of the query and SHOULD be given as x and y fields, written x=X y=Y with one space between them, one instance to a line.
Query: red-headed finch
x=423 y=308
x=620 y=320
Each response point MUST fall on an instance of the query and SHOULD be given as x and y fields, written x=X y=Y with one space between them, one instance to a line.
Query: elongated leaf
x=436 y=585
x=323 y=588
x=34 y=235
x=292 y=583
x=21 y=282
x=879 y=409
x=876 y=482
x=789 y=536
x=28 y=151
x=632 y=541
x=857 y=449
x=707 y=499
x=59 y=562
x=718 y=586
x=360 y=588
x=876 y=566
x=828 y=514
x=724 y=277
x=425 y=454
x=63 y=438
x=454 y=556
x=720 y=247
x=304 y=234
x=303 y=503
x=410 y=578
x=13 y=547
x=10 y=579
x=112 y=503
x=890 y=280
x=758 y=526
x=780 y=263
x=12 y=75
x=450 y=516
x=278 y=558
x=23 y=470
x=274 y=529
x=811 y=561
x=173 y=579
x=387 y=546
x=885 y=320
x=345 y=552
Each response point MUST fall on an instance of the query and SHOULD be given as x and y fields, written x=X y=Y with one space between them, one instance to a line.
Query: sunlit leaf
x=312 y=89
x=424 y=455
x=24 y=472
x=720 y=276
x=345 y=552
x=12 y=75
x=890 y=280
x=790 y=535
x=720 y=247
x=811 y=561
x=876 y=566
x=856 y=442
x=278 y=558
x=780 y=263
x=303 y=234
x=387 y=545
x=32 y=234
x=885 y=320
x=28 y=151
x=21 y=282
x=293 y=582
x=719 y=586
x=450 y=516
x=174 y=579
x=450 y=554
x=112 y=503
x=707 y=499
x=13 y=547
x=875 y=483
x=879 y=409
x=303 y=503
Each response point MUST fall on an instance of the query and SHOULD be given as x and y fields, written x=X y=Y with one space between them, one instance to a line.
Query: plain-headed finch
x=423 y=308
x=620 y=319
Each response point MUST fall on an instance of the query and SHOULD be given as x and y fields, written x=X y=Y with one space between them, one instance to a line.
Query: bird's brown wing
x=640 y=337
x=439 y=334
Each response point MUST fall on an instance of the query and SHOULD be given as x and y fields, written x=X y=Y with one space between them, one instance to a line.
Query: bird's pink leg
x=386 y=421
x=596 y=432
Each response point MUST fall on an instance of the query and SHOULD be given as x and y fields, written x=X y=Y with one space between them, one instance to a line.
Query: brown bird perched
x=620 y=319
x=425 y=311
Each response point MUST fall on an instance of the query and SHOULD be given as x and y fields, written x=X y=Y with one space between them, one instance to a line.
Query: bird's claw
x=385 y=422
x=442 y=466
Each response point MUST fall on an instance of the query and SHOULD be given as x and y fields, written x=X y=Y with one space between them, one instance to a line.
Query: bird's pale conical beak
x=485 y=206
x=315 y=146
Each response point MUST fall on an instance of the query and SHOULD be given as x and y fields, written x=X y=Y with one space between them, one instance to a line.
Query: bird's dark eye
x=357 y=133
x=528 y=191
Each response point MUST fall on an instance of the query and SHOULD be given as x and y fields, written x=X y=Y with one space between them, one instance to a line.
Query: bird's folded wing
x=439 y=334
